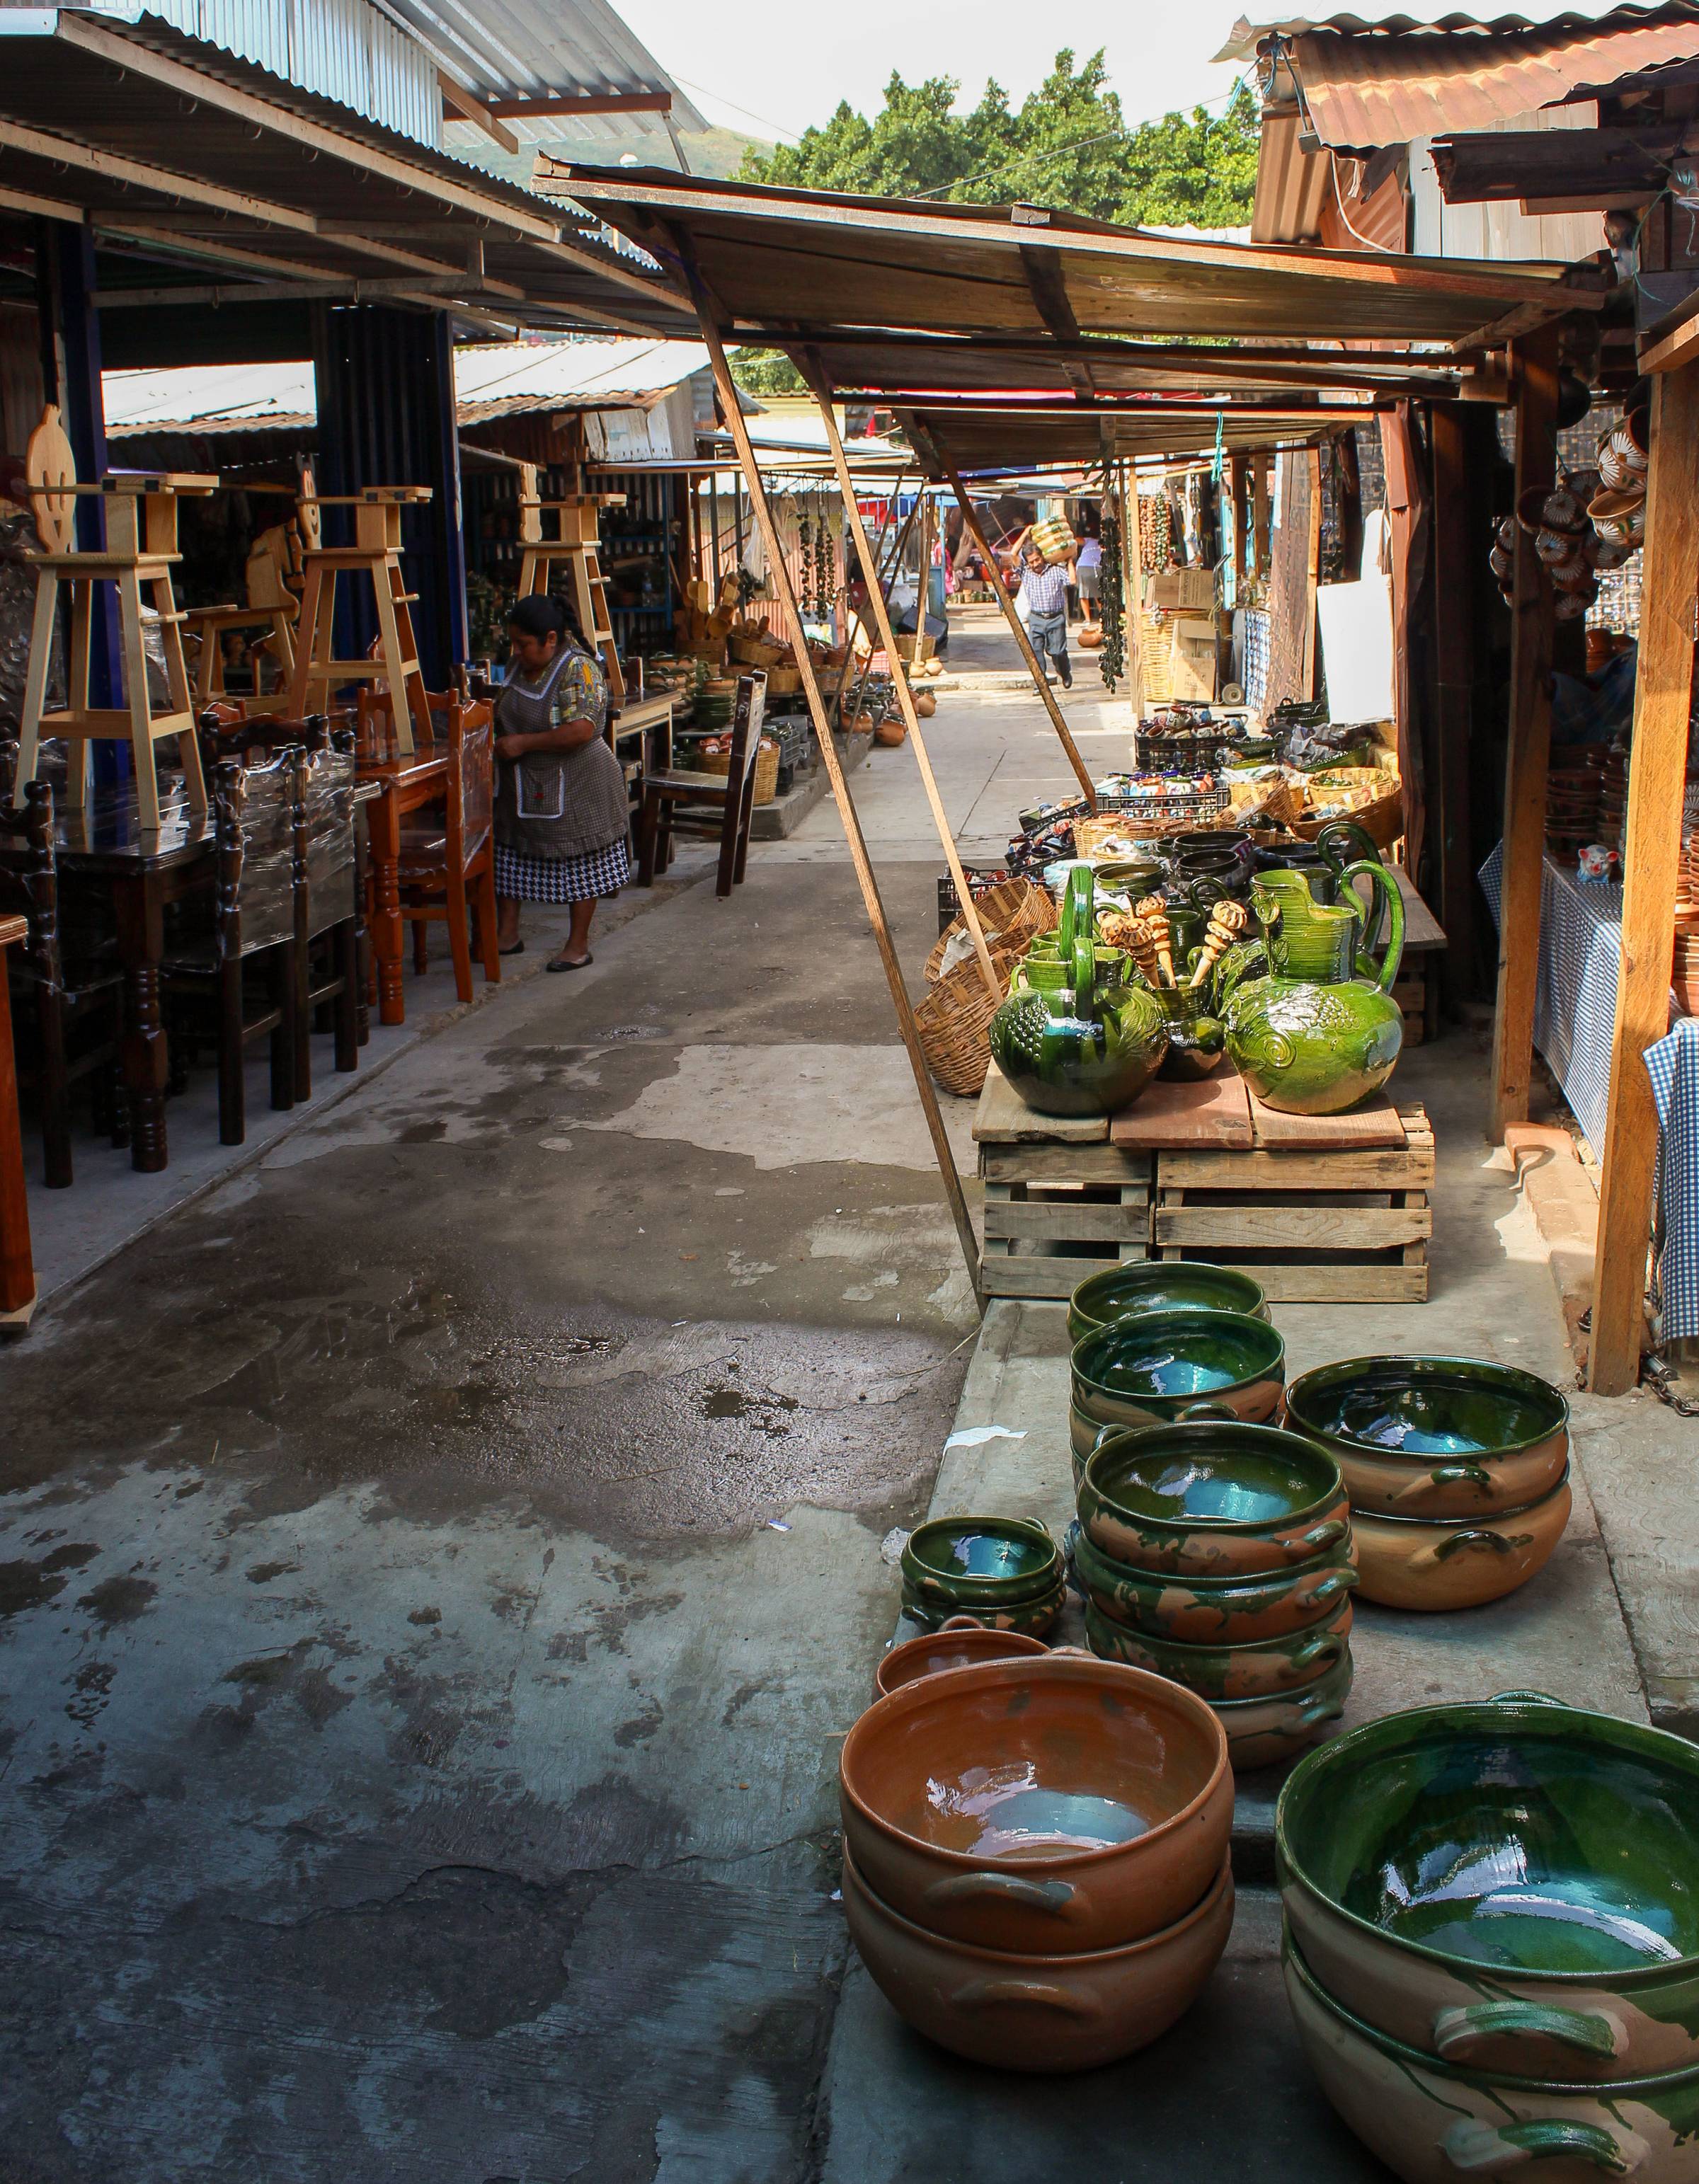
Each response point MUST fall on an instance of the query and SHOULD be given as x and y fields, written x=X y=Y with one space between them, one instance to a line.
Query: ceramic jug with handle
x=1314 y=1037
x=1086 y=1048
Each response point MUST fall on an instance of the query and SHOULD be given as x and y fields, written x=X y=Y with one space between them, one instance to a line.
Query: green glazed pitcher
x=1321 y=1031
x=1086 y=1047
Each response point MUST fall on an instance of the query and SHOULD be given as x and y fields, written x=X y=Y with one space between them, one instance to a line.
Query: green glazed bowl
x=1262 y=1732
x=972 y=1561
x=1266 y=1668
x=1033 y=1614
x=1211 y=1611
x=1509 y=1886
x=1435 y=1436
x=1434 y=2123
x=1150 y=1370
x=1159 y=1285
x=1212 y=1500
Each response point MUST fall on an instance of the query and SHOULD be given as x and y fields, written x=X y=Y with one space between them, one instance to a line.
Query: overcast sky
x=776 y=71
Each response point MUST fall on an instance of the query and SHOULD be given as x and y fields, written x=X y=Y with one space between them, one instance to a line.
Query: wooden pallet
x=1329 y=1221
x=1060 y=1201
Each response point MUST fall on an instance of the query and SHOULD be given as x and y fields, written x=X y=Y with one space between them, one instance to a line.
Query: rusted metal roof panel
x=1291 y=183
x=1248 y=36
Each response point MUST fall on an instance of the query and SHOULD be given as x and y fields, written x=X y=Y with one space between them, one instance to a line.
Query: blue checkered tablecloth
x=1575 y=1017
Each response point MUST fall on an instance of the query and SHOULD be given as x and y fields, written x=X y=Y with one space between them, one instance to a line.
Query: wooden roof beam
x=1049 y=295
x=138 y=174
x=565 y=104
x=460 y=103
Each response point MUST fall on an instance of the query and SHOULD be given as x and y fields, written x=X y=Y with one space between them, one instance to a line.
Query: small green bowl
x=1150 y=1370
x=1211 y=1500
x=1160 y=1285
x=975 y=1561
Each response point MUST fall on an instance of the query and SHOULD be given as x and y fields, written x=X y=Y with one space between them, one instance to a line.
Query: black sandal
x=517 y=949
x=560 y=963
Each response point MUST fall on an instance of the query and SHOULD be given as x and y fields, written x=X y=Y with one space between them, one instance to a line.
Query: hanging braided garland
x=1112 y=654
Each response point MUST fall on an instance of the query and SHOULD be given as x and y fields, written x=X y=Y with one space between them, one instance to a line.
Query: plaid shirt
x=1045 y=591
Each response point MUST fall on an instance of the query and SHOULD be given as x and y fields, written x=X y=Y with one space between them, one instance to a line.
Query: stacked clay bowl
x=1160 y=1367
x=1492 y=1939
x=1036 y=1867
x=1005 y=1573
x=960 y=1643
x=1218 y=1554
x=1457 y=1469
x=1159 y=1285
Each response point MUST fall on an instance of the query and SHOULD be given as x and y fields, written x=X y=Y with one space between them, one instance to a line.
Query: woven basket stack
x=954 y=1018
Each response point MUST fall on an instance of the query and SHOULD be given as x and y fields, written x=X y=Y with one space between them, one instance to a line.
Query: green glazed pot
x=1196 y=1036
x=1432 y=2123
x=1508 y=1885
x=958 y=1562
x=1435 y=1436
x=1151 y=1370
x=1311 y=1038
x=1263 y=1732
x=1093 y=1062
x=1266 y=1668
x=1213 y=1611
x=1032 y=1615
x=1213 y=1501
x=1160 y=1285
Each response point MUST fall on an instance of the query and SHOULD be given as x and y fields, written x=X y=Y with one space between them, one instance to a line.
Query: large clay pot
x=959 y=1643
x=1160 y=1285
x=1311 y=1038
x=1266 y=1668
x=1050 y=1806
x=1511 y=1885
x=1434 y=2124
x=1037 y=2013
x=1263 y=1732
x=1214 y=1611
x=1154 y=1369
x=1454 y=1437
x=1439 y=1563
x=1064 y=1058
x=1212 y=1500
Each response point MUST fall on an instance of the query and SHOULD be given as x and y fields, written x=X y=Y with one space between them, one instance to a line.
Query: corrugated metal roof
x=1292 y=184
x=1359 y=93
x=217 y=397
x=1246 y=35
x=576 y=375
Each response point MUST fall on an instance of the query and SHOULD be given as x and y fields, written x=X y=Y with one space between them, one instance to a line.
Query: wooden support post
x=1535 y=366
x=1652 y=858
x=1262 y=516
x=899 y=674
x=847 y=812
x=1132 y=590
x=1313 y=581
x=1454 y=651
x=1239 y=494
x=1058 y=722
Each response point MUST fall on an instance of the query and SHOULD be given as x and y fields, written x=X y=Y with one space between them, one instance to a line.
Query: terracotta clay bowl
x=1437 y=1564
x=1050 y=1806
x=1263 y=1732
x=1512 y=1885
x=960 y=1644
x=1434 y=2123
x=1160 y=1285
x=1214 y=1611
x=1434 y=1436
x=1031 y=1618
x=1150 y=1370
x=1035 y=2013
x=1266 y=1668
x=973 y=1561
x=1212 y=1500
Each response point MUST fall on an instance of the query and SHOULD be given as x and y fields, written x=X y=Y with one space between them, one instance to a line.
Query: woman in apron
x=561 y=816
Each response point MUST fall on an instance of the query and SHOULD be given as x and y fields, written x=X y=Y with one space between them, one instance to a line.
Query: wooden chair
x=241 y=981
x=447 y=869
x=704 y=801
x=68 y=1015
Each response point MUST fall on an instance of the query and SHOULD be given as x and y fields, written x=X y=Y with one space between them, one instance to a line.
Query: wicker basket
x=758 y=651
x=1376 y=802
x=1011 y=913
x=766 y=768
x=954 y=1023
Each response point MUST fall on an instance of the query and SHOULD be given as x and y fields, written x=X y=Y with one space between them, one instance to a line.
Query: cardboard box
x=1183 y=590
x=1192 y=653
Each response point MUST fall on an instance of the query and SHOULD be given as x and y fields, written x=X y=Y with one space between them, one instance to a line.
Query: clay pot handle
x=1058 y=1899
x=1336 y=1582
x=1457 y=2033
x=1320 y=1536
x=982 y=1994
x=1485 y=2149
x=1383 y=885
x=1525 y=1698
x=1202 y=1413
x=1457 y=1543
x=1448 y=1474
x=1324 y=1646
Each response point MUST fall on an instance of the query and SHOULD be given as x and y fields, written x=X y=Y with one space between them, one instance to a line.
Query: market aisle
x=433 y=1569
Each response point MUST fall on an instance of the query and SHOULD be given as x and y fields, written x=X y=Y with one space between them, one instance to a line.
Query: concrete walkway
x=437 y=1563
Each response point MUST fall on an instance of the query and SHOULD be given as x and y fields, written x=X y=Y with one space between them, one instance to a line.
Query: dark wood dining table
x=401 y=784
x=17 y=1261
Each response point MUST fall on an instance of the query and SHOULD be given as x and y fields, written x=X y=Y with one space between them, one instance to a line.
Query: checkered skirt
x=562 y=879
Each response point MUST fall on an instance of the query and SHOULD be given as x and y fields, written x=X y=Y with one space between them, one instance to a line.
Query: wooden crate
x=1322 y=1224
x=1060 y=1201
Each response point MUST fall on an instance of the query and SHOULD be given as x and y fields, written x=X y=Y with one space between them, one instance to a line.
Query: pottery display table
x=1061 y=1201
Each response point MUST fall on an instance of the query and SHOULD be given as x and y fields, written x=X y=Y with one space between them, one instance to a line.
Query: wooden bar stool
x=375 y=554
x=141 y=548
x=571 y=543
x=273 y=560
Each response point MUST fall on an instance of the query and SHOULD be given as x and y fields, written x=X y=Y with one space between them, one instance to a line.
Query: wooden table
x=142 y=869
x=17 y=1265
x=400 y=785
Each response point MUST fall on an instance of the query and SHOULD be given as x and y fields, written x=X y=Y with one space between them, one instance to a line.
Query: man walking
x=1044 y=594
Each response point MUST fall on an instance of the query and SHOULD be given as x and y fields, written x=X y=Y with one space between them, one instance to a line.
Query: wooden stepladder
x=572 y=543
x=140 y=547
x=376 y=555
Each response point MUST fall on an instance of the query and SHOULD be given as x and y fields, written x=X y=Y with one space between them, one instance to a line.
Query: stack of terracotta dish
x=1035 y=1869
x=1574 y=787
x=1155 y=1368
x=1492 y=1940
x=1685 y=969
x=1005 y=1573
x=1457 y=1469
x=1219 y=1555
